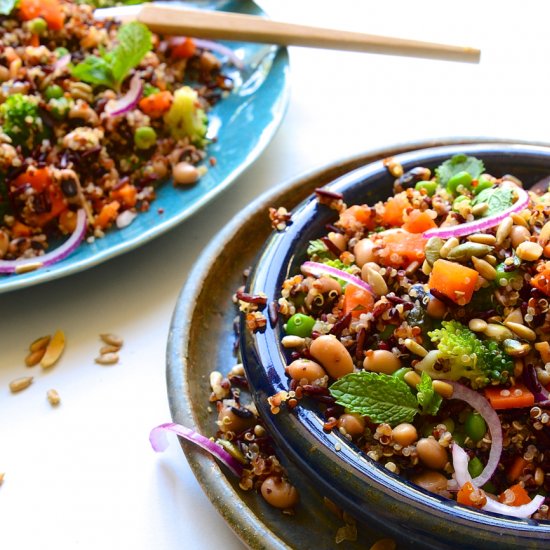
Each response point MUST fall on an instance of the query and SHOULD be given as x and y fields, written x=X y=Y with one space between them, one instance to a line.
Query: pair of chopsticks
x=219 y=25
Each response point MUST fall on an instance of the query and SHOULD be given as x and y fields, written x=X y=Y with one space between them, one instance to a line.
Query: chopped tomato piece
x=516 y=397
x=455 y=281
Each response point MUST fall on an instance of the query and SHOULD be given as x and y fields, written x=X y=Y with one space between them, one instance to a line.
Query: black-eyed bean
x=364 y=252
x=305 y=369
x=233 y=419
x=352 y=424
x=404 y=434
x=185 y=173
x=431 y=453
x=381 y=360
x=332 y=355
x=327 y=284
x=431 y=481
x=279 y=493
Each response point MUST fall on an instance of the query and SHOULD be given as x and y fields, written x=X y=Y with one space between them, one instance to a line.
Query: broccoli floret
x=186 y=117
x=21 y=120
x=462 y=354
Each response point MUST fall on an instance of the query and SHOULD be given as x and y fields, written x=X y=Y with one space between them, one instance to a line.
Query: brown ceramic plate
x=204 y=314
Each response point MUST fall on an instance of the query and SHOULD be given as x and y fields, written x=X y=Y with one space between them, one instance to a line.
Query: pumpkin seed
x=466 y=251
x=432 y=249
x=516 y=348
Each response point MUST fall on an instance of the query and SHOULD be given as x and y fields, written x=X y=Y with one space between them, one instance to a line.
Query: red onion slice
x=318 y=269
x=479 y=225
x=483 y=407
x=128 y=101
x=460 y=465
x=159 y=442
x=221 y=49
x=523 y=511
x=62 y=62
x=18 y=266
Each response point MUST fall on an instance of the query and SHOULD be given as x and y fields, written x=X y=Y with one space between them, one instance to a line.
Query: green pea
x=482 y=183
x=463 y=179
x=458 y=438
x=504 y=277
x=61 y=51
x=300 y=325
x=38 y=26
x=429 y=186
x=490 y=487
x=400 y=373
x=53 y=92
x=475 y=467
x=145 y=137
x=475 y=427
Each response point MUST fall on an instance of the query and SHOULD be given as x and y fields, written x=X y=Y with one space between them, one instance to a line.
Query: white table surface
x=82 y=475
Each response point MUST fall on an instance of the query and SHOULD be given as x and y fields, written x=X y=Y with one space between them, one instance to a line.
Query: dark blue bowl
x=335 y=466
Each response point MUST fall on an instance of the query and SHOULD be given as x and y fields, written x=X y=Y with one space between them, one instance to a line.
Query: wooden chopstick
x=219 y=25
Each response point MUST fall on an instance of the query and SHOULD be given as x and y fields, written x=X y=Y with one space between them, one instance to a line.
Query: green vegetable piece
x=459 y=180
x=300 y=325
x=61 y=51
x=53 y=92
x=456 y=164
x=6 y=6
x=149 y=89
x=20 y=119
x=381 y=397
x=428 y=399
x=317 y=251
x=59 y=107
x=400 y=373
x=186 y=118
x=464 y=355
x=145 y=137
x=475 y=426
x=498 y=199
x=475 y=467
x=458 y=200
x=459 y=438
x=111 y=68
x=429 y=186
x=504 y=275
x=38 y=26
x=482 y=183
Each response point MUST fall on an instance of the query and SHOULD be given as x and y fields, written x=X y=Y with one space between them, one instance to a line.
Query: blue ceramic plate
x=244 y=123
x=333 y=465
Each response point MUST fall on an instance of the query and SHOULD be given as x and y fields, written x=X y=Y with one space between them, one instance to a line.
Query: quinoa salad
x=420 y=326
x=93 y=117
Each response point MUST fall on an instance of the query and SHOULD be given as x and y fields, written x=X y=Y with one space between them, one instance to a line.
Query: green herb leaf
x=94 y=70
x=318 y=251
x=456 y=164
x=7 y=6
x=381 y=397
x=427 y=398
x=134 y=41
x=112 y=67
x=498 y=199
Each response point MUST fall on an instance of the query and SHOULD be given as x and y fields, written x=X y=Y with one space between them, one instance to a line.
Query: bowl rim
x=301 y=431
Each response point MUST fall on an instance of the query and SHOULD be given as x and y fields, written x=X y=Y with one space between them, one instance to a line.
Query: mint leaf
x=6 y=6
x=381 y=397
x=318 y=250
x=94 y=70
x=134 y=41
x=456 y=164
x=498 y=199
x=427 y=398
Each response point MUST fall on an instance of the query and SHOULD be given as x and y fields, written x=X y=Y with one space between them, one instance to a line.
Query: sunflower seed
x=20 y=384
x=112 y=339
x=53 y=397
x=107 y=359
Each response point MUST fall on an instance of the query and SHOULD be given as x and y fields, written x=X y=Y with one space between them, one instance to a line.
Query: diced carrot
x=542 y=279
x=67 y=221
x=183 y=47
x=19 y=229
x=394 y=209
x=399 y=248
x=357 y=300
x=516 y=469
x=515 y=496
x=40 y=180
x=418 y=221
x=516 y=397
x=356 y=218
x=155 y=105
x=471 y=496
x=455 y=281
x=107 y=214
x=546 y=251
x=126 y=194
x=35 y=40
x=50 y=10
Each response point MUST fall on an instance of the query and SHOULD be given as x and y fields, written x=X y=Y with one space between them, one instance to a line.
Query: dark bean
x=411 y=178
x=69 y=187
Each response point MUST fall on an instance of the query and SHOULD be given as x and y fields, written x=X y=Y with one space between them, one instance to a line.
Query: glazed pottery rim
x=344 y=458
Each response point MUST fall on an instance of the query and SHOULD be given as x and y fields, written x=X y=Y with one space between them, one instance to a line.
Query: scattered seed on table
x=54 y=349
x=34 y=357
x=40 y=343
x=20 y=384
x=107 y=359
x=53 y=397
x=2 y=474
x=108 y=348
x=112 y=339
